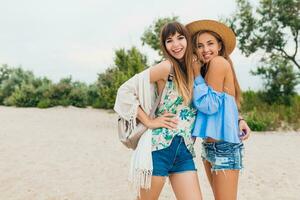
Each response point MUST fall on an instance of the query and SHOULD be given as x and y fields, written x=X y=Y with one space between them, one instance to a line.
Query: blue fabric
x=223 y=155
x=176 y=158
x=217 y=113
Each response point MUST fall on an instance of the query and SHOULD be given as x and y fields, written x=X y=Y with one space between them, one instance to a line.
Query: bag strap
x=170 y=78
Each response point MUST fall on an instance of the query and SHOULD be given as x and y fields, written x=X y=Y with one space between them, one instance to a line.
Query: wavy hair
x=224 y=54
x=184 y=76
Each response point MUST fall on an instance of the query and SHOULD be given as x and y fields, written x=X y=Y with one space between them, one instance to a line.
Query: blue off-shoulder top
x=217 y=113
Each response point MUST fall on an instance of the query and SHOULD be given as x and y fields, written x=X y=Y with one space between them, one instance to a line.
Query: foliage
x=279 y=79
x=127 y=63
x=273 y=28
x=152 y=34
x=262 y=116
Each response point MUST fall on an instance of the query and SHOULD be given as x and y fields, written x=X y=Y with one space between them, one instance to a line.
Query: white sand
x=74 y=154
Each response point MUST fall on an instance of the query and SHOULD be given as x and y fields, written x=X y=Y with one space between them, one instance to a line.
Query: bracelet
x=241 y=119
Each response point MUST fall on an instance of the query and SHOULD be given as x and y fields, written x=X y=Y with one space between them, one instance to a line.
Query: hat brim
x=226 y=34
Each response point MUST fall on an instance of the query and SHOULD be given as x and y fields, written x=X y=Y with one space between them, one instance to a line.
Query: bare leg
x=157 y=183
x=207 y=166
x=209 y=174
x=186 y=185
x=225 y=184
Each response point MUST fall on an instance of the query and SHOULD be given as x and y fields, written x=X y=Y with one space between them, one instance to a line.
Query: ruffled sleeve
x=205 y=99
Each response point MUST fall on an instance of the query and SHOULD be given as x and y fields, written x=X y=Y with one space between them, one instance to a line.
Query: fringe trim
x=132 y=120
x=140 y=179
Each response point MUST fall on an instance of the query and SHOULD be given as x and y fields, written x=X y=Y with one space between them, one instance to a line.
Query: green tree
x=79 y=94
x=130 y=62
x=127 y=63
x=279 y=78
x=152 y=33
x=12 y=79
x=4 y=73
x=59 y=93
x=274 y=30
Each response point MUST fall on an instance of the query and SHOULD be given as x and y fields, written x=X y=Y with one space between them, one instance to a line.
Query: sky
x=59 y=38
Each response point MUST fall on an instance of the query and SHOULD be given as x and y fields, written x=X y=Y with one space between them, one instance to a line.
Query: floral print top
x=172 y=102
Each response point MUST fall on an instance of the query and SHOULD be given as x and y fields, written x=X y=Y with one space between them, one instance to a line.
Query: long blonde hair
x=184 y=77
x=224 y=54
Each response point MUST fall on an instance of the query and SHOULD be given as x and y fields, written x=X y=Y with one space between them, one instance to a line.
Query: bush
x=25 y=96
x=78 y=96
x=12 y=79
x=44 y=103
x=262 y=116
x=58 y=93
x=262 y=121
x=94 y=96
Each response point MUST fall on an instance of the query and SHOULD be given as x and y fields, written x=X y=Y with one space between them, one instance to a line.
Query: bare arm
x=218 y=69
x=158 y=72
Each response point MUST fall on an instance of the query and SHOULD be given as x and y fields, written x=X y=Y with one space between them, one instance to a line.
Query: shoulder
x=163 y=66
x=161 y=70
x=166 y=64
x=219 y=64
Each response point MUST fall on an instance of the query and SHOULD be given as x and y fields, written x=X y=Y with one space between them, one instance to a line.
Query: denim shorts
x=223 y=155
x=174 y=159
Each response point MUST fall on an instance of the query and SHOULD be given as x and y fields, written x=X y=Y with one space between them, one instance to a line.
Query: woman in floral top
x=173 y=103
x=172 y=144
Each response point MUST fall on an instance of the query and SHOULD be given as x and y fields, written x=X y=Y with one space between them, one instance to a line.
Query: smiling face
x=176 y=45
x=207 y=47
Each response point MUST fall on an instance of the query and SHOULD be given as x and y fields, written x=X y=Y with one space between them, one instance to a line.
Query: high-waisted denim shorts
x=174 y=159
x=223 y=155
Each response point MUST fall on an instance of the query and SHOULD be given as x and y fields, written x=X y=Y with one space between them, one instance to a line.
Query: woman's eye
x=168 y=41
x=181 y=37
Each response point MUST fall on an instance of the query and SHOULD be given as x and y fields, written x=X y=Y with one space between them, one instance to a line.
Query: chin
x=178 y=57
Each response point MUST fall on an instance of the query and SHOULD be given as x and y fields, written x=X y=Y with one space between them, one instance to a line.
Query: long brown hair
x=223 y=53
x=184 y=76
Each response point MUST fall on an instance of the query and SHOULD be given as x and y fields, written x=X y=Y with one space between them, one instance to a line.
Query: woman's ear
x=220 y=46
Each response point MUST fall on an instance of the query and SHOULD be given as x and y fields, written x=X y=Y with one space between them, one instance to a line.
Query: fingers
x=168 y=120
x=245 y=137
x=247 y=134
x=170 y=115
x=170 y=125
x=245 y=129
x=173 y=120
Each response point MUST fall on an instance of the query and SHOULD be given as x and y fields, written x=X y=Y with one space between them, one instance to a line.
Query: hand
x=244 y=128
x=167 y=120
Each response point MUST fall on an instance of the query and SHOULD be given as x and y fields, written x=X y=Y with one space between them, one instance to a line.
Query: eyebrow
x=170 y=37
x=206 y=41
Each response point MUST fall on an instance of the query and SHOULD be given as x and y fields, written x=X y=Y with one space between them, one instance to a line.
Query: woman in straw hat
x=217 y=98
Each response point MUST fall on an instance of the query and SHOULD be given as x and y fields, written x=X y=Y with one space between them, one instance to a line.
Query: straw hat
x=227 y=35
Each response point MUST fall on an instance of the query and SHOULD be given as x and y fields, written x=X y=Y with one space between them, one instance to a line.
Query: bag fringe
x=140 y=179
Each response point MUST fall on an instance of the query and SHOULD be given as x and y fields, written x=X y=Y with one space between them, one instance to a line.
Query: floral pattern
x=172 y=102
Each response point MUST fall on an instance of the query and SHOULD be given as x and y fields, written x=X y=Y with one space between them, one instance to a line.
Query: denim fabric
x=223 y=155
x=174 y=159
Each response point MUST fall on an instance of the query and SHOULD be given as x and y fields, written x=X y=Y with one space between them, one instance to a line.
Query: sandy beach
x=74 y=154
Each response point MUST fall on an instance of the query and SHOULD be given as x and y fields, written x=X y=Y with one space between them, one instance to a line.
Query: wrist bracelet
x=240 y=120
